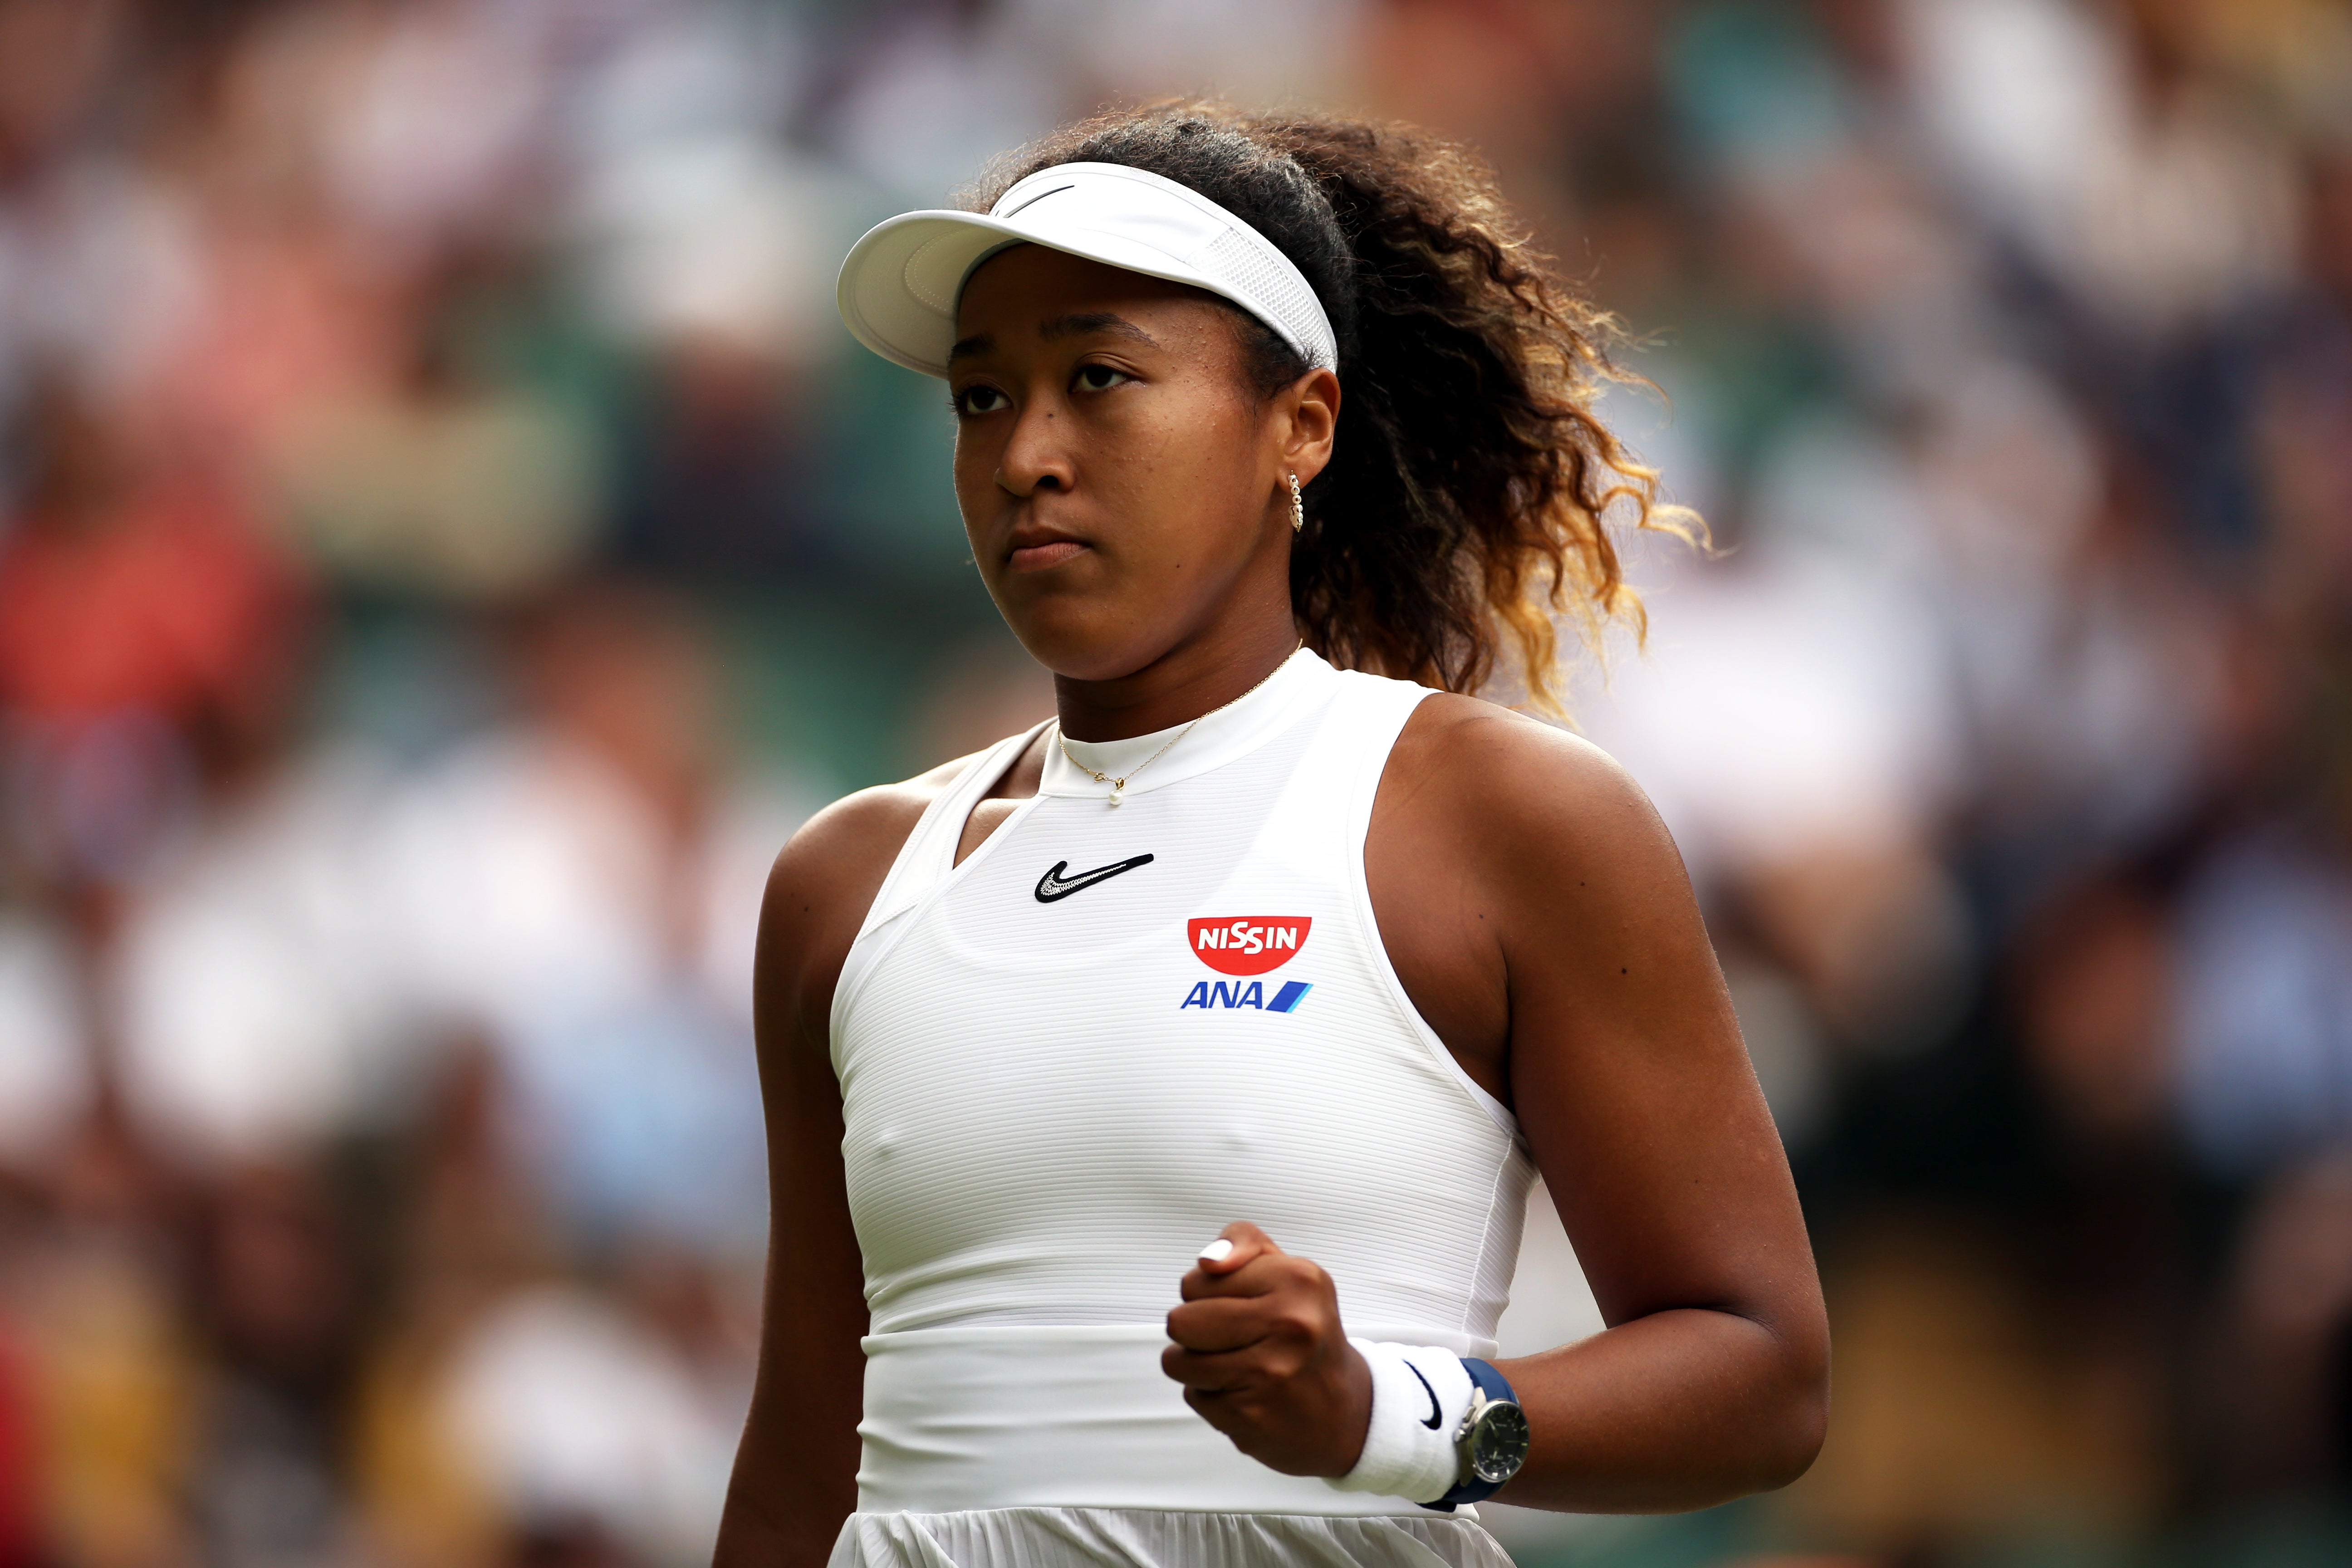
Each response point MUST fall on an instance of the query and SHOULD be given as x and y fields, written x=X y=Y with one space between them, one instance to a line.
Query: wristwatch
x=1492 y=1438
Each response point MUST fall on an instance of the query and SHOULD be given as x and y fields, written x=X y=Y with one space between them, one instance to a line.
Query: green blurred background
x=447 y=543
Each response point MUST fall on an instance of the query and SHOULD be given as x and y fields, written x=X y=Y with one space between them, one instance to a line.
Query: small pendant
x=1117 y=793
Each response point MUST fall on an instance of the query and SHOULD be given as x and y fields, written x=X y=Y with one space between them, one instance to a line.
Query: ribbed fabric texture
x=1143 y=1537
x=1074 y=1415
x=1040 y=1131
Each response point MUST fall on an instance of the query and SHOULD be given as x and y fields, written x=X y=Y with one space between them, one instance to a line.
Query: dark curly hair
x=1465 y=494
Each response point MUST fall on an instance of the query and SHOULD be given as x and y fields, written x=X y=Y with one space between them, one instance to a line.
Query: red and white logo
x=1248 y=945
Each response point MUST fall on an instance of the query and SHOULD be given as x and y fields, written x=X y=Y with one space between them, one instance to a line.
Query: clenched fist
x=1262 y=1358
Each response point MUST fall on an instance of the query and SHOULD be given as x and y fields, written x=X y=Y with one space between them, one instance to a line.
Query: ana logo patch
x=1248 y=945
x=1233 y=993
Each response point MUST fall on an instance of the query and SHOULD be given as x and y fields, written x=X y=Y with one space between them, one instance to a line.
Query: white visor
x=898 y=288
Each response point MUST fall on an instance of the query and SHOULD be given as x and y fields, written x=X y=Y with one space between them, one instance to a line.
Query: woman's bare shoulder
x=855 y=838
x=1488 y=750
x=1544 y=798
x=827 y=874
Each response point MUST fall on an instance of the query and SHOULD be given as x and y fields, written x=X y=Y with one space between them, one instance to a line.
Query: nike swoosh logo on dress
x=1053 y=885
x=1435 y=1412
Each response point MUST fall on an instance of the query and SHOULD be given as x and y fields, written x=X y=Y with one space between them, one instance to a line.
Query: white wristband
x=1420 y=1394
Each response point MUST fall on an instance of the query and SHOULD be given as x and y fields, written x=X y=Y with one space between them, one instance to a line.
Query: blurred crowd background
x=446 y=544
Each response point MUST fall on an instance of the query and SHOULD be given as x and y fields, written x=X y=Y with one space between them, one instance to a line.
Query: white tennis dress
x=1068 y=1063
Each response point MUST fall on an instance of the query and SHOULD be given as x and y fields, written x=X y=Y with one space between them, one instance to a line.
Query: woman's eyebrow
x=1072 y=325
x=1094 y=321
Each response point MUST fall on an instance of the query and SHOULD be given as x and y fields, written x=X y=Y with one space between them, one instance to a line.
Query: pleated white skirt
x=1159 y=1538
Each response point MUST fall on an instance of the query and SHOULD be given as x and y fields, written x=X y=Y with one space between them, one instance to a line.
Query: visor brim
x=900 y=282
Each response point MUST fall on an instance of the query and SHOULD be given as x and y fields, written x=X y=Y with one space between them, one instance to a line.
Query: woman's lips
x=1037 y=557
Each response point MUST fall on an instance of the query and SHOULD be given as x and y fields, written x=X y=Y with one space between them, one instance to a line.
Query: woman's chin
x=1091 y=648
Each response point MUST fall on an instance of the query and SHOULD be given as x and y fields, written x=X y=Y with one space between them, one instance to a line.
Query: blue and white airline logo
x=1234 y=994
x=1245 y=946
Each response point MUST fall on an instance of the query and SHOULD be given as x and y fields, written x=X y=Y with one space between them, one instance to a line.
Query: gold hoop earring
x=1297 y=506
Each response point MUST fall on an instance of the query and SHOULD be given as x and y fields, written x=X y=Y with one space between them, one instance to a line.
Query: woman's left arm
x=1541 y=920
x=1626 y=1070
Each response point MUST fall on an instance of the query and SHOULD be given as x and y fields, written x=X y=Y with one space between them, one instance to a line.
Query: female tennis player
x=1152 y=1098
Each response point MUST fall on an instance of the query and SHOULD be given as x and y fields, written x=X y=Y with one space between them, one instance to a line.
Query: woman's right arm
x=795 y=1471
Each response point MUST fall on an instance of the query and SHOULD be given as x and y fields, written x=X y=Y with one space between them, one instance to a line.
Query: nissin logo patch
x=1248 y=945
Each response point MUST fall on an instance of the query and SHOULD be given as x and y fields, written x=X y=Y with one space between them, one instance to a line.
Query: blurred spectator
x=91 y=1284
x=2097 y=1013
x=2285 y=1371
x=573 y=1414
x=2157 y=200
x=251 y=985
x=45 y=1076
x=442 y=481
x=466 y=1232
x=20 y=1459
x=722 y=485
x=586 y=885
x=2266 y=1005
x=279 y=1300
x=145 y=627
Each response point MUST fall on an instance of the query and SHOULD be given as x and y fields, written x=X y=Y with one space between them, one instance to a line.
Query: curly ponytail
x=1465 y=493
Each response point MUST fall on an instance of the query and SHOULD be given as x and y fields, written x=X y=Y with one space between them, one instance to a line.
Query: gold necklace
x=1118 y=786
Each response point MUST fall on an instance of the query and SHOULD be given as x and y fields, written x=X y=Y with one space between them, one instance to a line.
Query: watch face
x=1498 y=1443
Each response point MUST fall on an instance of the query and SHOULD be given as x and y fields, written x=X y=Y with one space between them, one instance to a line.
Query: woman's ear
x=1309 y=408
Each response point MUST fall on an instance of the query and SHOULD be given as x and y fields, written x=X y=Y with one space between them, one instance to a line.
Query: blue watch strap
x=1492 y=1384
